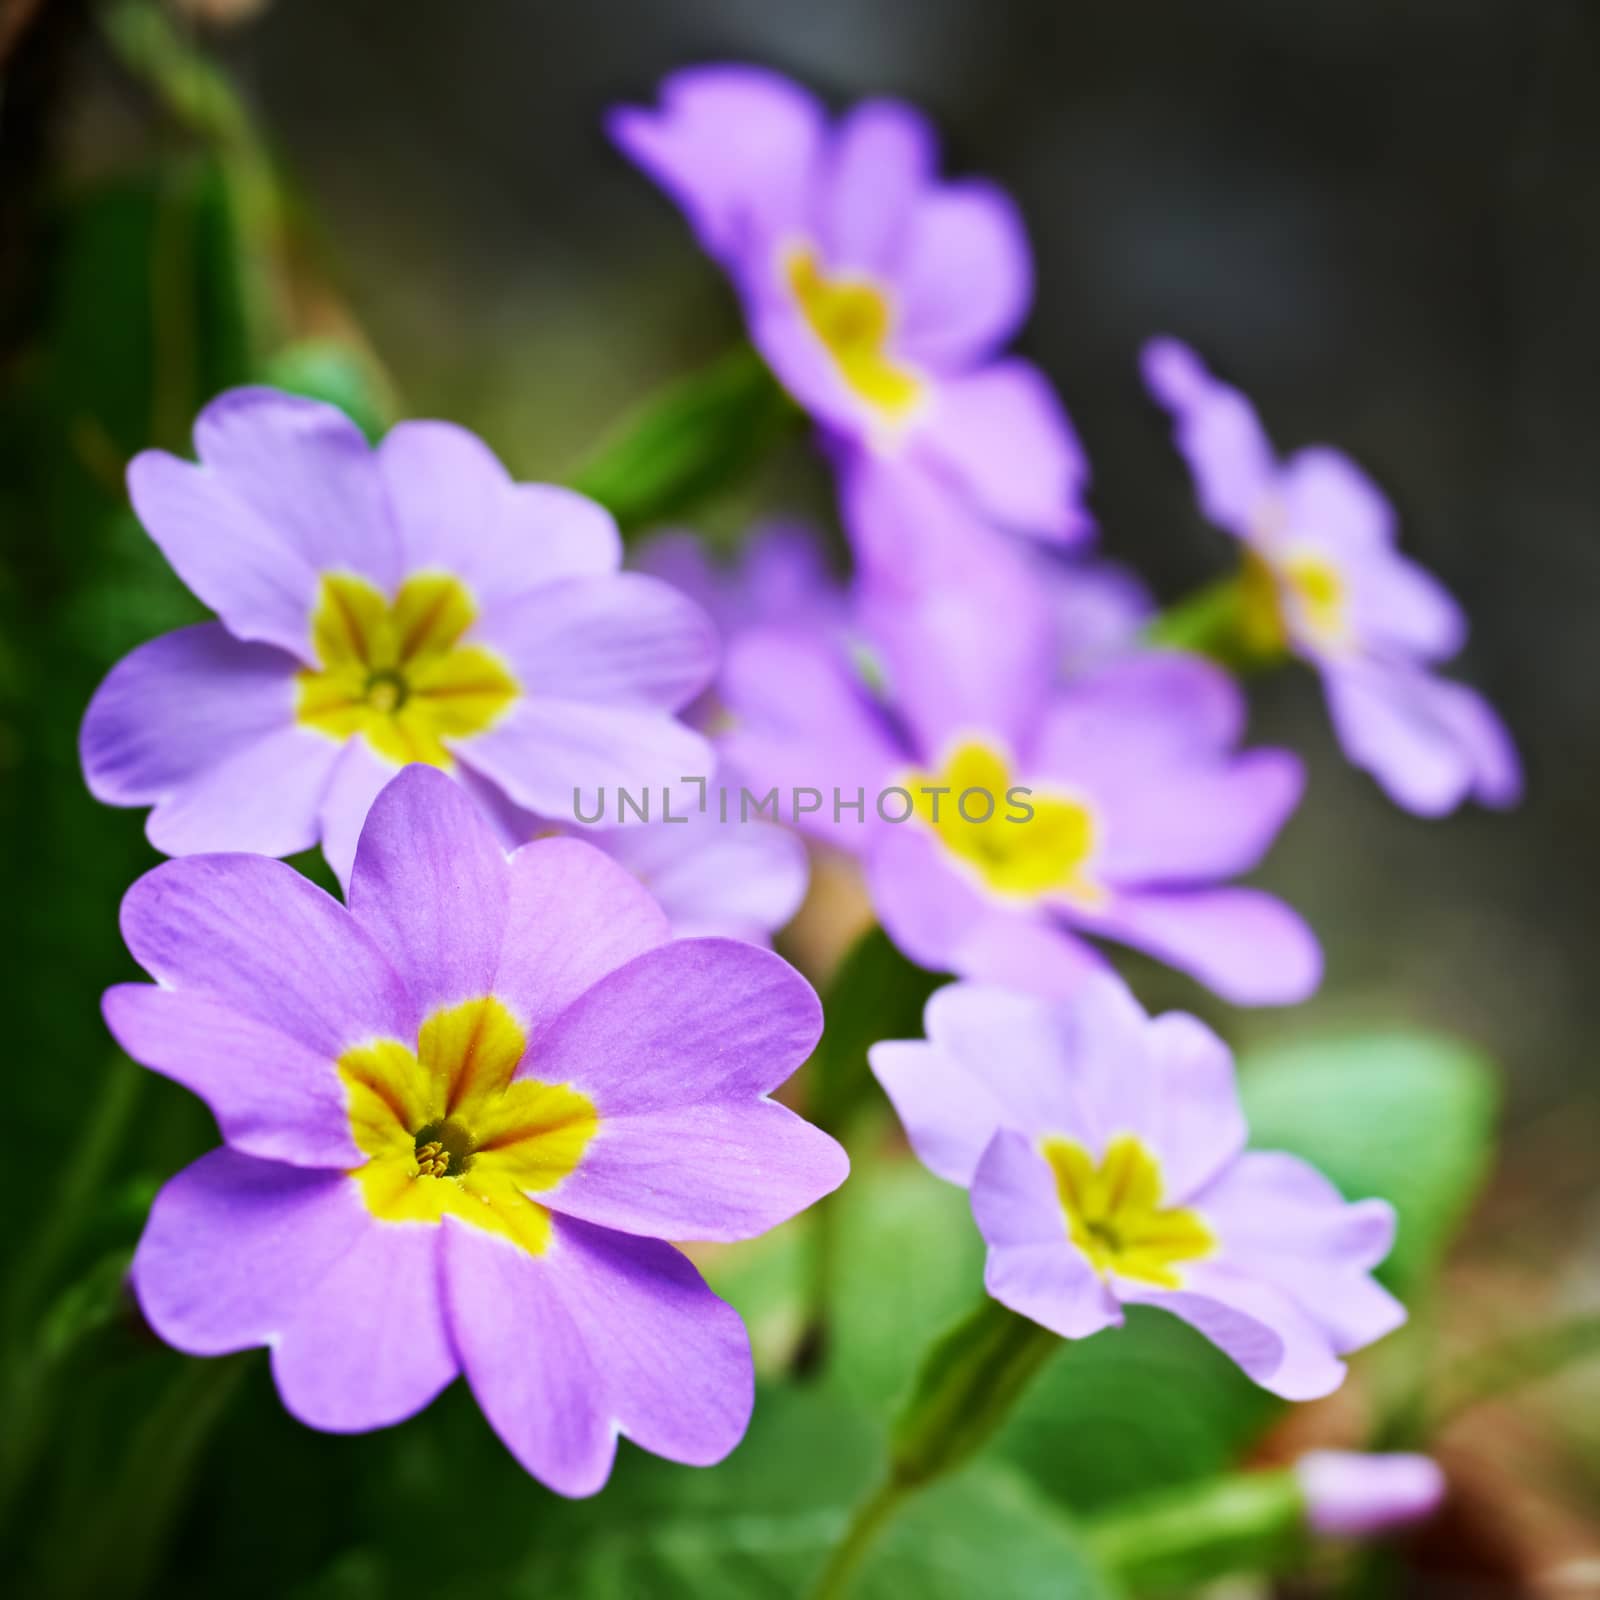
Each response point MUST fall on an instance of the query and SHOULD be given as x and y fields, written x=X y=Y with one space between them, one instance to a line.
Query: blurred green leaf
x=326 y=369
x=1148 y=1406
x=1406 y=1116
x=693 y=439
x=765 y=1521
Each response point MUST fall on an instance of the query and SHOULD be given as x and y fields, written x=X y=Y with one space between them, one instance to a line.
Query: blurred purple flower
x=378 y=607
x=460 y=1116
x=712 y=874
x=1105 y=1155
x=1324 y=579
x=1350 y=1494
x=880 y=295
x=1142 y=803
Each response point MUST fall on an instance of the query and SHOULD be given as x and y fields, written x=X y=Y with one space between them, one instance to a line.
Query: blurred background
x=1380 y=219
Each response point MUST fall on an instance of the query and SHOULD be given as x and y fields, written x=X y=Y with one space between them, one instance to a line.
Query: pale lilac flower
x=377 y=607
x=1105 y=1155
x=1350 y=1494
x=1142 y=804
x=460 y=1117
x=711 y=870
x=881 y=295
x=1324 y=579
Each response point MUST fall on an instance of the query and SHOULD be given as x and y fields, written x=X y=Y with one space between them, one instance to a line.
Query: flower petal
x=560 y=757
x=286 y=490
x=256 y=937
x=458 y=511
x=692 y=1022
x=1255 y=1325
x=1247 y=946
x=736 y=147
x=1003 y=436
x=715 y=1171
x=1327 y=494
x=623 y=640
x=943 y=922
x=966 y=275
x=430 y=887
x=1230 y=813
x=573 y=917
x=1281 y=1221
x=1032 y=1265
x=368 y=1345
x=1218 y=433
x=179 y=705
x=263 y=797
x=1429 y=743
x=804 y=720
x=272 y=1095
x=629 y=1339
x=738 y=880
x=359 y=777
x=234 y=1247
x=880 y=160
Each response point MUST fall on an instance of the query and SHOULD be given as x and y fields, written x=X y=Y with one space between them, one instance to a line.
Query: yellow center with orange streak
x=448 y=1130
x=396 y=672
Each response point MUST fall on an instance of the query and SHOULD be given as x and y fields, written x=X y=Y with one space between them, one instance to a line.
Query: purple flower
x=1323 y=578
x=1135 y=803
x=1352 y=1495
x=880 y=295
x=379 y=607
x=711 y=871
x=780 y=573
x=459 y=1118
x=1105 y=1155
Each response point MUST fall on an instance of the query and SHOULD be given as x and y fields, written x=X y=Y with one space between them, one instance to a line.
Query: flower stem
x=868 y=1521
x=969 y=1381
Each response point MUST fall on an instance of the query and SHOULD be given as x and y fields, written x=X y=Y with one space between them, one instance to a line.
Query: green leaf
x=695 y=438
x=1148 y=1406
x=1406 y=1116
x=764 y=1523
x=327 y=369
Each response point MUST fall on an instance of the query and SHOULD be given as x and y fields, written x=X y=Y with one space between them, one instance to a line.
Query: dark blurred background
x=1380 y=218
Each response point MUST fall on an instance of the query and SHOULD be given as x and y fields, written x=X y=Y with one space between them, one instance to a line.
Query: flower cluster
x=464 y=1111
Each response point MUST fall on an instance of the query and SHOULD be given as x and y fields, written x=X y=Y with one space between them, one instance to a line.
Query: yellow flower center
x=852 y=316
x=1289 y=593
x=447 y=1132
x=396 y=671
x=1043 y=855
x=1115 y=1216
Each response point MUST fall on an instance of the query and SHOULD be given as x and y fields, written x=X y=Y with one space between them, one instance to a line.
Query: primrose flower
x=880 y=296
x=1000 y=813
x=1350 y=1494
x=460 y=1117
x=376 y=608
x=1323 y=579
x=1105 y=1155
x=711 y=874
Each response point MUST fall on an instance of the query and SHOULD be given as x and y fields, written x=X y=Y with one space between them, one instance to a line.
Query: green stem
x=970 y=1380
x=870 y=1517
x=1251 y=1522
x=694 y=438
